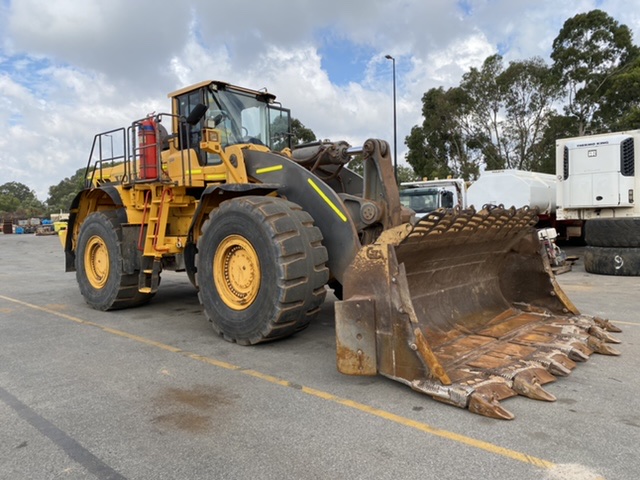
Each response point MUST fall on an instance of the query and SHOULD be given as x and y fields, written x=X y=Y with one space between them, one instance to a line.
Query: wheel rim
x=236 y=272
x=96 y=262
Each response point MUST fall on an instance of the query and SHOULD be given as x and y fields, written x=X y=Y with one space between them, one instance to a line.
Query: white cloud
x=70 y=69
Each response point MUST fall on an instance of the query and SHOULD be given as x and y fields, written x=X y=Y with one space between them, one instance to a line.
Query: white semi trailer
x=598 y=182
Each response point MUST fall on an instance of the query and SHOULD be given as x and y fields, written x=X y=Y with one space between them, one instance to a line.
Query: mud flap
x=464 y=307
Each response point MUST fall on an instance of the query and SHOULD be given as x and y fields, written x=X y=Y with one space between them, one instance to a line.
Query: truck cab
x=428 y=195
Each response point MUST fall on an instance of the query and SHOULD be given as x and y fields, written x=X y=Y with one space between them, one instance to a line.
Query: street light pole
x=395 y=129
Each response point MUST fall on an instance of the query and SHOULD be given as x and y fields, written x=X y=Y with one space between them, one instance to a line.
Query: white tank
x=514 y=188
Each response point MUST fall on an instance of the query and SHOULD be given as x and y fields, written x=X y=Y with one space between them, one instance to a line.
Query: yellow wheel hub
x=236 y=272
x=96 y=262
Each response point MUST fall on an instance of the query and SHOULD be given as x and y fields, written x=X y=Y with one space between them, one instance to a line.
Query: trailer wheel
x=99 y=262
x=260 y=269
x=613 y=232
x=612 y=261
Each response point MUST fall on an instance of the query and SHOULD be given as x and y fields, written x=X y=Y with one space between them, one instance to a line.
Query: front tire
x=99 y=263
x=260 y=269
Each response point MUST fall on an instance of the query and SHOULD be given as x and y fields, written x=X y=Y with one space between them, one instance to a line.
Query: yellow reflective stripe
x=217 y=176
x=193 y=172
x=326 y=199
x=275 y=168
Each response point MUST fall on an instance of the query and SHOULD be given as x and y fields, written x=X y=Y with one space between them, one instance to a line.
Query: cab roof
x=218 y=85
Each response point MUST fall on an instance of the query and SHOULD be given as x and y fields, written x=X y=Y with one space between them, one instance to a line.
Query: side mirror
x=196 y=114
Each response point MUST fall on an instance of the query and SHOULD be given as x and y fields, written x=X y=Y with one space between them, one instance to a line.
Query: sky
x=72 y=68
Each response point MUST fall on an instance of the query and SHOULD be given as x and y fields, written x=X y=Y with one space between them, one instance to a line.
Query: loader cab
x=239 y=115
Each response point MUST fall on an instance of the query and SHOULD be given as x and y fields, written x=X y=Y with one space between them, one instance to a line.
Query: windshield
x=243 y=118
x=240 y=118
x=420 y=200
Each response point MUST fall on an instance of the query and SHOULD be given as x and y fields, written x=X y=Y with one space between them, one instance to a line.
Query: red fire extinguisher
x=148 y=149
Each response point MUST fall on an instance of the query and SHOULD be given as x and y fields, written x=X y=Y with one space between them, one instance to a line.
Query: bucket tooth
x=564 y=360
x=558 y=369
x=488 y=406
x=602 y=334
x=573 y=346
x=577 y=355
x=556 y=363
x=607 y=350
x=606 y=324
x=531 y=388
x=600 y=347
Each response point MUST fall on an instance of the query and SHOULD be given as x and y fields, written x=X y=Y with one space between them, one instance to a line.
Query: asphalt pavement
x=153 y=393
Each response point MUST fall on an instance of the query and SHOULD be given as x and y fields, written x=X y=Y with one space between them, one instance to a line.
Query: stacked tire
x=613 y=246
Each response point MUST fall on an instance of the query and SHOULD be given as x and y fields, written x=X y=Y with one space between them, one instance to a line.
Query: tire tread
x=301 y=289
x=123 y=295
x=613 y=232
x=616 y=261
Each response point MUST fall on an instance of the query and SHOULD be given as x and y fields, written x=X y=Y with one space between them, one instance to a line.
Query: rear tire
x=613 y=232
x=612 y=261
x=99 y=262
x=260 y=269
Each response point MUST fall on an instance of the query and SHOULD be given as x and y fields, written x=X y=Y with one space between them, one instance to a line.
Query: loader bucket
x=463 y=306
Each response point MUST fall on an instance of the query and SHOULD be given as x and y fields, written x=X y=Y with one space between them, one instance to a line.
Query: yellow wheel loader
x=461 y=304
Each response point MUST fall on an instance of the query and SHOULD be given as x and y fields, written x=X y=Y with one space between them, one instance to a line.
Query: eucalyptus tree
x=620 y=107
x=529 y=92
x=440 y=146
x=495 y=119
x=590 y=50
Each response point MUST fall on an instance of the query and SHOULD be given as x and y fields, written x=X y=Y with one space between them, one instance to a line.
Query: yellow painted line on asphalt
x=635 y=324
x=400 y=420
x=580 y=288
x=423 y=427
